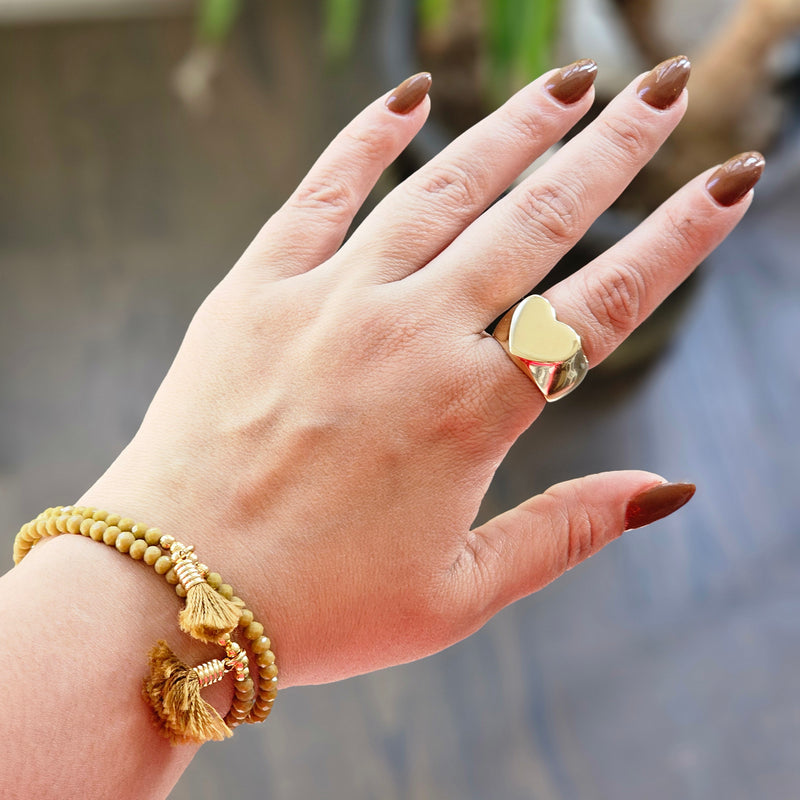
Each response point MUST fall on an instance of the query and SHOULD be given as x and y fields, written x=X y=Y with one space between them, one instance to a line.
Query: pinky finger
x=311 y=225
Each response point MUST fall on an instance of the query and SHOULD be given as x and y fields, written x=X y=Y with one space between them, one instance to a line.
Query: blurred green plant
x=215 y=19
x=519 y=42
x=518 y=34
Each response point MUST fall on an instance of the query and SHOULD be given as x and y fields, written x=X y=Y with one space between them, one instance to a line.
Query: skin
x=332 y=421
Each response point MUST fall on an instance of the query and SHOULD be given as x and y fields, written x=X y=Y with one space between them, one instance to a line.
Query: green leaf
x=341 y=25
x=519 y=44
x=215 y=18
x=434 y=14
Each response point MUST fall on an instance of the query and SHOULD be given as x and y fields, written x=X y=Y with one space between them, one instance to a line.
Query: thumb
x=526 y=548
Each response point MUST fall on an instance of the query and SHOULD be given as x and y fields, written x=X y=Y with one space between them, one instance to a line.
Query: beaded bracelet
x=211 y=614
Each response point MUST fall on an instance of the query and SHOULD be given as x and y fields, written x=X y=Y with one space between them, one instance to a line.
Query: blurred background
x=142 y=144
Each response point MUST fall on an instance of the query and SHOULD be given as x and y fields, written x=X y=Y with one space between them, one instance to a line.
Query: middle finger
x=427 y=211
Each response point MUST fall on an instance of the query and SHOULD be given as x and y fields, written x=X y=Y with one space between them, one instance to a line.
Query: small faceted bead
x=172 y=577
x=153 y=535
x=268 y=672
x=180 y=591
x=254 y=630
x=41 y=527
x=245 y=618
x=125 y=524
x=139 y=531
x=113 y=519
x=138 y=549
x=270 y=694
x=167 y=541
x=97 y=530
x=214 y=580
x=86 y=524
x=265 y=659
x=124 y=541
x=100 y=515
x=261 y=645
x=52 y=528
x=110 y=536
x=61 y=523
x=152 y=554
x=163 y=565
x=226 y=590
x=74 y=524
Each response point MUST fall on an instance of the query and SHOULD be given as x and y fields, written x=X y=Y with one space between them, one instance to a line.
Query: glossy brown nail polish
x=662 y=86
x=657 y=502
x=572 y=82
x=410 y=93
x=735 y=178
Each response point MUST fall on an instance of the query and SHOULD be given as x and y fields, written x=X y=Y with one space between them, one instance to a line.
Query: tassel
x=173 y=692
x=207 y=615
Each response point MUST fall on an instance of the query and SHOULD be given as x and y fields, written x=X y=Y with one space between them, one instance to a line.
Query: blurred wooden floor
x=664 y=668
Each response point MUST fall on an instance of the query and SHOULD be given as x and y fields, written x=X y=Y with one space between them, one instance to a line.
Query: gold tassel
x=173 y=692
x=207 y=615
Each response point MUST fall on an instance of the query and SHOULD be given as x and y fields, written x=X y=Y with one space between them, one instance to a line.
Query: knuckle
x=625 y=136
x=528 y=125
x=582 y=538
x=366 y=144
x=454 y=185
x=616 y=301
x=330 y=197
x=554 y=211
x=683 y=233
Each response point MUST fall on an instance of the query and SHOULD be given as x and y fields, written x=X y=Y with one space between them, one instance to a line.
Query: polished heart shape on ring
x=535 y=335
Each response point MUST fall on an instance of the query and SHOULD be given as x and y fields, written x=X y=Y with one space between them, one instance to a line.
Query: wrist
x=160 y=492
x=125 y=611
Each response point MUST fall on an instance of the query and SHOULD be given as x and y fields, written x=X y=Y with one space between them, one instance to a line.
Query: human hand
x=335 y=414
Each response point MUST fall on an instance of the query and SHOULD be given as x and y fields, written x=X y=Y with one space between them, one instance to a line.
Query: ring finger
x=606 y=300
x=610 y=297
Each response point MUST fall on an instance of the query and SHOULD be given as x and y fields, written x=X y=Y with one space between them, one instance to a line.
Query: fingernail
x=662 y=86
x=410 y=93
x=657 y=502
x=735 y=178
x=572 y=82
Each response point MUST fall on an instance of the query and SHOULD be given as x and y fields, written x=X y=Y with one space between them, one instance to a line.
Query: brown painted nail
x=662 y=86
x=410 y=93
x=735 y=178
x=572 y=82
x=657 y=502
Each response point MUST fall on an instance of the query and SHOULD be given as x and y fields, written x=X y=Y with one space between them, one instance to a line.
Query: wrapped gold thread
x=210 y=672
x=188 y=573
x=207 y=615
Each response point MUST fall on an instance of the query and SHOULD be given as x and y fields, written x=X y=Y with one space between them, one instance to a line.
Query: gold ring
x=546 y=350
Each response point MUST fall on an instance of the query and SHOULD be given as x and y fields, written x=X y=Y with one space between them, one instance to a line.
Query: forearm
x=81 y=619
